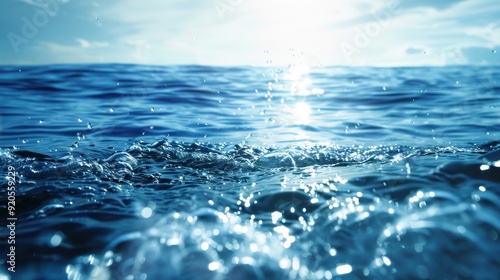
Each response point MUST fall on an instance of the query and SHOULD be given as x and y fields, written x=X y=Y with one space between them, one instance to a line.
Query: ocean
x=118 y=171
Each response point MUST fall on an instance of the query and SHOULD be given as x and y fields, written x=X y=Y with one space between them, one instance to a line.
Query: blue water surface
x=198 y=172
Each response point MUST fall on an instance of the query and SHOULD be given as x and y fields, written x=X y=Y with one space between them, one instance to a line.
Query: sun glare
x=301 y=25
x=299 y=84
x=301 y=113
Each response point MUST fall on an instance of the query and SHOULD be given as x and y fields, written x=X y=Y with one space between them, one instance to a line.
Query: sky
x=251 y=32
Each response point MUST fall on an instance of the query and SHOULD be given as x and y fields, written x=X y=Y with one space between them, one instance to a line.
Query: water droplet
x=25 y=141
x=343 y=269
x=79 y=120
x=333 y=252
x=204 y=246
x=285 y=263
x=152 y=109
x=89 y=125
x=493 y=51
x=146 y=212
x=56 y=239
x=383 y=88
x=111 y=110
x=484 y=167
x=41 y=121
x=214 y=266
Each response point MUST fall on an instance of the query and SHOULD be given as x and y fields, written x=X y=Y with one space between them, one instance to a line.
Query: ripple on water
x=275 y=213
x=205 y=242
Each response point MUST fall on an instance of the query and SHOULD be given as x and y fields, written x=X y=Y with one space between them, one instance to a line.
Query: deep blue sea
x=196 y=172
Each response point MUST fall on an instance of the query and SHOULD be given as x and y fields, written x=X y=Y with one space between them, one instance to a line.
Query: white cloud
x=490 y=33
x=36 y=3
x=178 y=32
x=42 y=3
x=61 y=53
x=87 y=44
x=198 y=34
x=444 y=34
